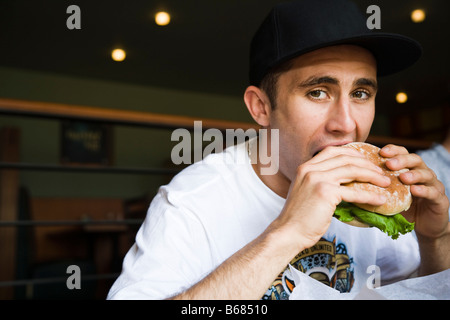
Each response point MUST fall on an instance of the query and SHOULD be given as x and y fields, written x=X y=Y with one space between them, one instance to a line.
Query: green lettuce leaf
x=392 y=225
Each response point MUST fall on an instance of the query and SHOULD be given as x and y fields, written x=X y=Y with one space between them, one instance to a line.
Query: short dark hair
x=269 y=83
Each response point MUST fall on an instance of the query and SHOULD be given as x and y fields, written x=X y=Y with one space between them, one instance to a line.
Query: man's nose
x=340 y=118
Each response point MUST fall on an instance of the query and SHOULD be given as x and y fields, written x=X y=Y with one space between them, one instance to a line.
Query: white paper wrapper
x=432 y=287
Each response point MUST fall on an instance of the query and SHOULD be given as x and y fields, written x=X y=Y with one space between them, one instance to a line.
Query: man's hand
x=429 y=209
x=319 y=187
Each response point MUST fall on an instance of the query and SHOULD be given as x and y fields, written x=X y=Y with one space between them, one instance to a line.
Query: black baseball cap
x=295 y=28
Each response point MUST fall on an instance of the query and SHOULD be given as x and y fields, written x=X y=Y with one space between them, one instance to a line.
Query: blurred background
x=74 y=188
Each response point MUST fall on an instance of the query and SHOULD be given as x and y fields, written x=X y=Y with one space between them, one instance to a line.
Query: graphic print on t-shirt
x=326 y=262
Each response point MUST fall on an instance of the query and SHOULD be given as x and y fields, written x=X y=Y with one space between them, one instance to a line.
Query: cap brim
x=393 y=52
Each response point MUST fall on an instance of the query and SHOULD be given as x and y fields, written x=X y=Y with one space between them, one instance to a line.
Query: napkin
x=431 y=287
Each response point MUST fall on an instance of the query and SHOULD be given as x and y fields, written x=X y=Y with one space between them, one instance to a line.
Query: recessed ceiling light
x=162 y=18
x=418 y=15
x=118 y=55
x=401 y=97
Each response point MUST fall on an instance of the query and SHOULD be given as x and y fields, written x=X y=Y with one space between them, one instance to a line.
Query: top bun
x=398 y=195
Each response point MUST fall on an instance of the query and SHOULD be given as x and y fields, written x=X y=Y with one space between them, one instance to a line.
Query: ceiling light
x=118 y=55
x=401 y=97
x=418 y=15
x=162 y=18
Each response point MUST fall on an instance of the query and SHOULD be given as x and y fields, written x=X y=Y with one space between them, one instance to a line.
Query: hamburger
x=386 y=217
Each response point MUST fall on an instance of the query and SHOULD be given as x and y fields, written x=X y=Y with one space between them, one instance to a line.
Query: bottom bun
x=357 y=223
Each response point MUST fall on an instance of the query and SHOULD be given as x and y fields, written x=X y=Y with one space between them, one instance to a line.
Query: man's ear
x=258 y=105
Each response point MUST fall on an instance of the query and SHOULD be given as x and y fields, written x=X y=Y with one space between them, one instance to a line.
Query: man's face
x=326 y=98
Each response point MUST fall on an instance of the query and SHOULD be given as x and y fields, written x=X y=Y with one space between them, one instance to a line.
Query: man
x=225 y=230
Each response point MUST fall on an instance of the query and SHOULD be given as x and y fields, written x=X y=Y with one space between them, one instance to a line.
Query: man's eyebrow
x=366 y=82
x=314 y=81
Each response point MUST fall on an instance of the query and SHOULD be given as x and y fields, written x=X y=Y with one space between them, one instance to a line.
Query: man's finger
x=391 y=150
x=410 y=160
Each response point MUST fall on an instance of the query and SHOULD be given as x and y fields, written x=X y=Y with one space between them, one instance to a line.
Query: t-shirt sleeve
x=166 y=256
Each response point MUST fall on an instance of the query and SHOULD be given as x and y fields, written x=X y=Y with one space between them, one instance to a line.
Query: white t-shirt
x=215 y=207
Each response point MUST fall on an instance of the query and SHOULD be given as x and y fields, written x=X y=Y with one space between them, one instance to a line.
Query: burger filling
x=392 y=225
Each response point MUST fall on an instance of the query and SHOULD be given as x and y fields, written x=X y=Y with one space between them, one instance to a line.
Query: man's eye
x=361 y=95
x=317 y=94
